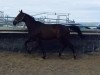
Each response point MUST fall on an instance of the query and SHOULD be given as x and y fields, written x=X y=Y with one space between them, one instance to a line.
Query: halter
x=20 y=19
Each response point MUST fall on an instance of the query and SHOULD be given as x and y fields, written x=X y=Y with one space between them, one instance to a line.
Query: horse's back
x=49 y=31
x=54 y=30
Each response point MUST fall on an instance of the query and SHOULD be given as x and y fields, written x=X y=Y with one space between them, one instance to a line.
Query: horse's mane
x=30 y=16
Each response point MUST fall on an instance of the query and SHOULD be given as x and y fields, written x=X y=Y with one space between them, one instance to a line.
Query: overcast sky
x=81 y=10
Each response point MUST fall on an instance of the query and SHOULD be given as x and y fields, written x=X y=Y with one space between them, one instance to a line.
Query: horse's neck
x=30 y=23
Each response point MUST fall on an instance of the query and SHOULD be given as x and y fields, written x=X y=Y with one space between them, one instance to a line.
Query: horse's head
x=19 y=18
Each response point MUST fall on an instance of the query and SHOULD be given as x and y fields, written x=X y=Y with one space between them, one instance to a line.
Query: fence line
x=7 y=23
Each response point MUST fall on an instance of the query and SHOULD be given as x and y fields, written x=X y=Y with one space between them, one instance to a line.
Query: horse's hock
x=15 y=42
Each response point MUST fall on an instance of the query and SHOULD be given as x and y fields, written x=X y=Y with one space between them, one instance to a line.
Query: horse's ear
x=21 y=11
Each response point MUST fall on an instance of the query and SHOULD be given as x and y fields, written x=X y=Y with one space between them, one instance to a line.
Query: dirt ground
x=24 y=64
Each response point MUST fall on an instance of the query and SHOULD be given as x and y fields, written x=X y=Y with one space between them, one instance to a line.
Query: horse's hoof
x=29 y=52
x=75 y=57
x=44 y=57
x=59 y=55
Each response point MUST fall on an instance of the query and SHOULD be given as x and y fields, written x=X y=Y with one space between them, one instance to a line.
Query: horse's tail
x=76 y=29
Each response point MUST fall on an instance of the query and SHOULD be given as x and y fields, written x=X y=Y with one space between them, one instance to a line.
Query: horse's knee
x=26 y=42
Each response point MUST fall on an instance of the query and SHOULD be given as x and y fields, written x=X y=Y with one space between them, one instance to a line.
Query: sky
x=80 y=10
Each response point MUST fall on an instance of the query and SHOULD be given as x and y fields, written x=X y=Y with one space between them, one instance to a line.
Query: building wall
x=15 y=42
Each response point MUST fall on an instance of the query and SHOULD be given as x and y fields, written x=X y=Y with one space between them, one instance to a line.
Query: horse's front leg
x=26 y=45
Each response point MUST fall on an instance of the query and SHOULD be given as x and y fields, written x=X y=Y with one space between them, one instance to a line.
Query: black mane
x=30 y=16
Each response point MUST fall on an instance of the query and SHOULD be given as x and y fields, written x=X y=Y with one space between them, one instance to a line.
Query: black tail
x=76 y=29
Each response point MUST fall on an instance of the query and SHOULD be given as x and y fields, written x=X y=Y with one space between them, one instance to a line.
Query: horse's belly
x=48 y=36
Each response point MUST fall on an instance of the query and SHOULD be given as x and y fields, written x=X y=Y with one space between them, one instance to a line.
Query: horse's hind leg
x=65 y=43
x=43 y=51
x=62 y=45
x=72 y=48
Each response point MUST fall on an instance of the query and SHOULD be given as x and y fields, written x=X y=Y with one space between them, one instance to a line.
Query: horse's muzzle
x=14 y=22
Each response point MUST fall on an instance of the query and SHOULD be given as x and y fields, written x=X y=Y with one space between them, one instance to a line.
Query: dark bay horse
x=39 y=31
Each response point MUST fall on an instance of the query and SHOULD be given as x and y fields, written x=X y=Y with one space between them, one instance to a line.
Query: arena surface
x=12 y=63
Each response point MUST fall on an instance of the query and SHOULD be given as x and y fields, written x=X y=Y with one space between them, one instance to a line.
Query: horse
x=39 y=31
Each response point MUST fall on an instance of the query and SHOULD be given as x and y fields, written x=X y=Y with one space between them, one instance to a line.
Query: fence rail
x=6 y=24
x=24 y=31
